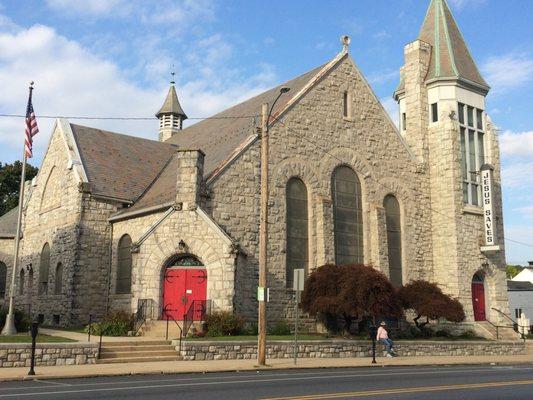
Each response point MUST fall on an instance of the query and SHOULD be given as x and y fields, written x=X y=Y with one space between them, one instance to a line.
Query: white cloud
x=162 y=11
x=516 y=144
x=391 y=106
x=508 y=71
x=381 y=77
x=72 y=80
x=518 y=175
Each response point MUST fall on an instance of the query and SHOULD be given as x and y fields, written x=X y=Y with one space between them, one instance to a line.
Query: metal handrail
x=514 y=325
x=167 y=315
x=141 y=314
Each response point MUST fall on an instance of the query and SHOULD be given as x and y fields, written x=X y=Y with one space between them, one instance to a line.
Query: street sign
x=299 y=278
x=260 y=293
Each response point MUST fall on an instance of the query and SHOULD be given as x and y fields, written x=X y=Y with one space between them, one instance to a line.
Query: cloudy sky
x=113 y=58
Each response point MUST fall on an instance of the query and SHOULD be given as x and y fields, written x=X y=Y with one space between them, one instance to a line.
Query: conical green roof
x=450 y=56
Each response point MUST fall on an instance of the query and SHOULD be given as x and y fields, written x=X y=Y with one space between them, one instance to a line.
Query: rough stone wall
x=51 y=216
x=366 y=141
x=19 y=355
x=344 y=349
x=6 y=256
x=90 y=284
x=202 y=237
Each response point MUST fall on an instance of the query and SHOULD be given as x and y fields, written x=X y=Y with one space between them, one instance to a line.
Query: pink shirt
x=382 y=333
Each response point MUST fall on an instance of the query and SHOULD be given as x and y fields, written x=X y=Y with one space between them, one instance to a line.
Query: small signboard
x=299 y=279
x=488 y=210
x=260 y=293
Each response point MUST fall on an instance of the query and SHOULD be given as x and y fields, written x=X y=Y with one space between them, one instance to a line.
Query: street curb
x=169 y=371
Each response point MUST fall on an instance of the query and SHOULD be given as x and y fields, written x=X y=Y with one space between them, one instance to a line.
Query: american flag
x=31 y=127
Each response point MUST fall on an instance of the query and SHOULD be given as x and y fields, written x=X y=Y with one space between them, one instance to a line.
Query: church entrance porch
x=478 y=298
x=184 y=288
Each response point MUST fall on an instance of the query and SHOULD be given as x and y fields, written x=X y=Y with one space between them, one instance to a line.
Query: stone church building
x=112 y=219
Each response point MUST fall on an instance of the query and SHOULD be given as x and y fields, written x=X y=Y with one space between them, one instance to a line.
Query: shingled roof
x=519 y=286
x=8 y=223
x=450 y=57
x=120 y=166
x=171 y=104
x=219 y=137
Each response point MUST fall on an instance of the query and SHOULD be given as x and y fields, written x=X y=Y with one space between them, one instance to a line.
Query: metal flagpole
x=9 y=327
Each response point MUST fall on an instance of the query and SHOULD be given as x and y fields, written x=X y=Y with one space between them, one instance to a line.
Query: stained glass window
x=297 y=229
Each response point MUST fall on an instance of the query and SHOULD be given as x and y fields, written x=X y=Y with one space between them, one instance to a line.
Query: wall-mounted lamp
x=182 y=246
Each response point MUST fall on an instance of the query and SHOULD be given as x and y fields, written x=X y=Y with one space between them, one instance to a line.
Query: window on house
x=346 y=104
x=347 y=216
x=472 y=138
x=3 y=279
x=124 y=263
x=21 y=282
x=517 y=312
x=44 y=269
x=297 y=229
x=394 y=239
x=434 y=112
x=58 y=284
x=404 y=121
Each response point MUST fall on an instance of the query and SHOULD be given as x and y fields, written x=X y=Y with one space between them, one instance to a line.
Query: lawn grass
x=26 y=338
x=56 y=328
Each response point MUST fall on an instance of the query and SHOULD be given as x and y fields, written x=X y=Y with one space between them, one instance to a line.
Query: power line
x=119 y=118
x=392 y=190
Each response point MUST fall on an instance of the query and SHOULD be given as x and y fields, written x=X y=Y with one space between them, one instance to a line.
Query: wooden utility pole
x=263 y=234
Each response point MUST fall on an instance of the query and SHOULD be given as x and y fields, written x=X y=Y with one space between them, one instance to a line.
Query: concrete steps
x=158 y=329
x=488 y=331
x=529 y=346
x=138 y=351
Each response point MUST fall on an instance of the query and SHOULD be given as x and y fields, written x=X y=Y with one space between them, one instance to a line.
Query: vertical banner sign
x=488 y=211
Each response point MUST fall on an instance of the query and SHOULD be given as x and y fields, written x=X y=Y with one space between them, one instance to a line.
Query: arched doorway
x=184 y=284
x=478 y=297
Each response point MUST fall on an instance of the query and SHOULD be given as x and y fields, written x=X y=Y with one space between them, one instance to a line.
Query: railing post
x=90 y=327
x=166 y=336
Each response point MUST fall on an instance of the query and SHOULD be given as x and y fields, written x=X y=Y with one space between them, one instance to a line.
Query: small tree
x=426 y=299
x=349 y=292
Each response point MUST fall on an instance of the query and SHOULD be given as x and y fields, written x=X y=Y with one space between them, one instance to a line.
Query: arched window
x=394 y=239
x=124 y=261
x=3 y=279
x=347 y=216
x=184 y=260
x=58 y=284
x=21 y=282
x=297 y=228
x=44 y=269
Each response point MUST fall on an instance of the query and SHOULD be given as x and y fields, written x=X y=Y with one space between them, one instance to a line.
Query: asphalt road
x=435 y=383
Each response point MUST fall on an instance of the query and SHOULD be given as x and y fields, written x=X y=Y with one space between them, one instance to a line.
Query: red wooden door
x=181 y=287
x=478 y=301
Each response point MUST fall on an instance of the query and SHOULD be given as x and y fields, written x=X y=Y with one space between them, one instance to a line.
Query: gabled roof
x=120 y=166
x=8 y=223
x=171 y=104
x=220 y=135
x=450 y=57
x=519 y=286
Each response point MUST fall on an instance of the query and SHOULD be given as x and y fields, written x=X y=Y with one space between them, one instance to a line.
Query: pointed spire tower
x=438 y=68
x=441 y=98
x=171 y=115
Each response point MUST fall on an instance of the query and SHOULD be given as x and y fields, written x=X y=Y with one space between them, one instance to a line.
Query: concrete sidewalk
x=170 y=367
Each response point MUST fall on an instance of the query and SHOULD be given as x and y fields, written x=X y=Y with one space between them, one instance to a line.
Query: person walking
x=383 y=337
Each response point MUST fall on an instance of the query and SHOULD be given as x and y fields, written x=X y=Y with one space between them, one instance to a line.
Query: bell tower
x=441 y=98
x=171 y=115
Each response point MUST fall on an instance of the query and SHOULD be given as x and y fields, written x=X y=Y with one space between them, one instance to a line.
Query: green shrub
x=22 y=322
x=118 y=323
x=280 y=329
x=223 y=323
x=250 y=330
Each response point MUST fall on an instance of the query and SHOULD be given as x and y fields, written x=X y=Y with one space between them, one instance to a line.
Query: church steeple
x=450 y=57
x=170 y=115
